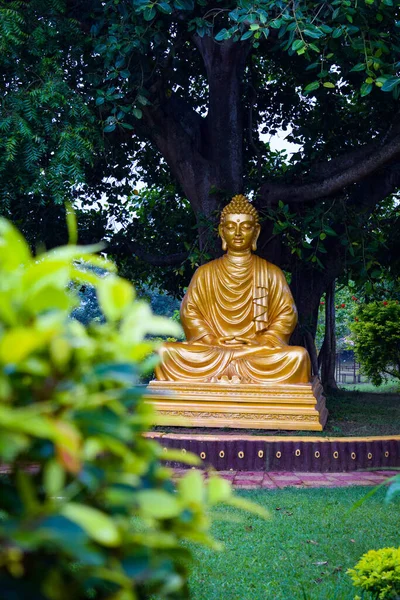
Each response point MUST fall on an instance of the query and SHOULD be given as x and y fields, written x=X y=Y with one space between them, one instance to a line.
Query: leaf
x=219 y=490
x=71 y=224
x=191 y=487
x=249 y=506
x=329 y=84
x=137 y=113
x=175 y=454
x=337 y=32
x=158 y=504
x=11 y=444
x=53 y=478
x=164 y=7
x=125 y=73
x=390 y=84
x=184 y=4
x=313 y=33
x=98 y=525
x=312 y=86
x=359 y=67
x=115 y=296
x=366 y=89
x=140 y=321
x=109 y=128
x=248 y=34
x=222 y=35
x=18 y=343
x=297 y=44
x=48 y=298
x=394 y=489
x=149 y=13
x=14 y=250
x=100 y=100
x=143 y=100
x=329 y=230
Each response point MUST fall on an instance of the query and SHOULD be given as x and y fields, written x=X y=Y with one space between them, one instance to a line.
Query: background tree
x=183 y=88
x=376 y=333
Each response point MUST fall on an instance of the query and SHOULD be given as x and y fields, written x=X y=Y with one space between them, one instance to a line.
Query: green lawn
x=388 y=387
x=303 y=552
x=353 y=413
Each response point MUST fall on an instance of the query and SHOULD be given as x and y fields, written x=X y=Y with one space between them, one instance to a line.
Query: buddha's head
x=239 y=227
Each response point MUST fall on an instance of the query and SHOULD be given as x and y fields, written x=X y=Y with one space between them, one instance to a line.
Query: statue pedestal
x=239 y=405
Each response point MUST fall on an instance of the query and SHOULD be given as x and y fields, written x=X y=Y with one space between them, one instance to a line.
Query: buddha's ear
x=221 y=235
x=255 y=237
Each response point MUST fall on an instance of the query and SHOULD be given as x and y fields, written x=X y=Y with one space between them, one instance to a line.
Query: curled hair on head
x=239 y=205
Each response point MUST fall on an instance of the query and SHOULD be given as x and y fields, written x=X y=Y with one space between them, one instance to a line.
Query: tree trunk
x=306 y=290
x=328 y=350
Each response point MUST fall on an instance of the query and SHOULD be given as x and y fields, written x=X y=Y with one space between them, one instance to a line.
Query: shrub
x=87 y=509
x=378 y=572
x=376 y=334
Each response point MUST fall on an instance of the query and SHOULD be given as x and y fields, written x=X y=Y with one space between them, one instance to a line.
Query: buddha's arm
x=282 y=313
x=193 y=311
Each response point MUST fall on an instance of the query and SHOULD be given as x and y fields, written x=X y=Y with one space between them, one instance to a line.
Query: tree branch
x=345 y=170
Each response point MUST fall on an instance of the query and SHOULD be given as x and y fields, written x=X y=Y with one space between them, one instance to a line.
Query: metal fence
x=347 y=369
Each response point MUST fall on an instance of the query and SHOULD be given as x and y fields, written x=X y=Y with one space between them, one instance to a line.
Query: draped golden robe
x=244 y=297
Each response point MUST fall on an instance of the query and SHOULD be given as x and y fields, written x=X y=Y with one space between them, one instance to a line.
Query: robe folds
x=243 y=297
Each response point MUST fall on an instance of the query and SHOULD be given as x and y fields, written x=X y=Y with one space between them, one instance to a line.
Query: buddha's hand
x=236 y=341
x=210 y=340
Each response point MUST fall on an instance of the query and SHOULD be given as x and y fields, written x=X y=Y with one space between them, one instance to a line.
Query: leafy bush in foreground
x=376 y=334
x=87 y=510
x=378 y=572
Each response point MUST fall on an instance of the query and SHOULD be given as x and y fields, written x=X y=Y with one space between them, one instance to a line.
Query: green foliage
x=87 y=509
x=378 y=572
x=48 y=134
x=358 y=37
x=376 y=334
x=160 y=223
x=80 y=83
x=346 y=303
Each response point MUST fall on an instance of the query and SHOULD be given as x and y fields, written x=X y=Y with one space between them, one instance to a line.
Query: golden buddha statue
x=237 y=315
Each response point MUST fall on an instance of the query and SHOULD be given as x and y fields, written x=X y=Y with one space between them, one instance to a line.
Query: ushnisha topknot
x=239 y=205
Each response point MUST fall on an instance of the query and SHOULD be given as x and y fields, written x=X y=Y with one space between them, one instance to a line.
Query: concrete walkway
x=275 y=480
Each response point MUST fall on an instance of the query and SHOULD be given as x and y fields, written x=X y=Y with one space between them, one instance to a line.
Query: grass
x=388 y=387
x=353 y=413
x=302 y=553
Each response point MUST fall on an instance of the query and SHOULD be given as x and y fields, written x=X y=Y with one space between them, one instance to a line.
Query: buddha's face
x=239 y=233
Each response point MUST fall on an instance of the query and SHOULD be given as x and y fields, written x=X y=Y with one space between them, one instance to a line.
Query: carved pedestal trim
x=237 y=405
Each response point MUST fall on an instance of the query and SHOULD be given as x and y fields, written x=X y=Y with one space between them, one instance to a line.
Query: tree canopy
x=177 y=93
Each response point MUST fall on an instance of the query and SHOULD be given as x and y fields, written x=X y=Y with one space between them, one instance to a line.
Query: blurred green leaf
x=99 y=526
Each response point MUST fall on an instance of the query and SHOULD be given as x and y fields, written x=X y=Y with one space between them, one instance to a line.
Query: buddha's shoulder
x=208 y=267
x=268 y=266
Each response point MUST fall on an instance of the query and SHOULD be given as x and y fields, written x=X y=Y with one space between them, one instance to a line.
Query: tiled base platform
x=255 y=453
x=281 y=479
